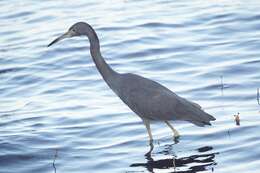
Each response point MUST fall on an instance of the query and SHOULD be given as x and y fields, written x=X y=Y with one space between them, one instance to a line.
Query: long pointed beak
x=66 y=35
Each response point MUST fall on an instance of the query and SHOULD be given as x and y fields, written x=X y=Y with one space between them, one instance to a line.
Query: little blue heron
x=150 y=100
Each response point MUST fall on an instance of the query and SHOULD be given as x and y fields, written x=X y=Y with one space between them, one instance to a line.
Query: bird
x=150 y=100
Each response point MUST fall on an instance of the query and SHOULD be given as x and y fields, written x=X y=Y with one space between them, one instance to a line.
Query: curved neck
x=105 y=70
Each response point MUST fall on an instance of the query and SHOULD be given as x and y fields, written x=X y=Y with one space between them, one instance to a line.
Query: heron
x=150 y=100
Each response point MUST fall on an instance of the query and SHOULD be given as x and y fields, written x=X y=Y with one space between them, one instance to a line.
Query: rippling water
x=58 y=115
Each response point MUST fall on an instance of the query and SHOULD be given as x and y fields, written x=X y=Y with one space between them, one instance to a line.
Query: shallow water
x=58 y=115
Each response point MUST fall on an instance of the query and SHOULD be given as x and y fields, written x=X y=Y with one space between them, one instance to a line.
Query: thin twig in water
x=228 y=133
x=55 y=156
x=257 y=96
x=174 y=164
x=222 y=84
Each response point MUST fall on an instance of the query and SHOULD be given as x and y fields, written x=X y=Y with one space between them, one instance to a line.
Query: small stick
x=55 y=156
x=257 y=96
x=174 y=164
x=222 y=84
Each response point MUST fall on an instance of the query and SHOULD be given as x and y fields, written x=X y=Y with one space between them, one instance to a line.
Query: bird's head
x=78 y=29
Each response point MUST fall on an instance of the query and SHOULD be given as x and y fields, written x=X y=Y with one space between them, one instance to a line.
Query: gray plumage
x=152 y=101
x=147 y=98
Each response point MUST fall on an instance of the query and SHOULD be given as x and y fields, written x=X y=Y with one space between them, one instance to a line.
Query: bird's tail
x=201 y=123
x=204 y=120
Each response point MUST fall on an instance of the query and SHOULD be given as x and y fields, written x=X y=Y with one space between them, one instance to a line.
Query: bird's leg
x=147 y=125
x=176 y=133
x=148 y=154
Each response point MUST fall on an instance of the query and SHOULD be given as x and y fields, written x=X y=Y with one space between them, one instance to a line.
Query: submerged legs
x=147 y=125
x=176 y=133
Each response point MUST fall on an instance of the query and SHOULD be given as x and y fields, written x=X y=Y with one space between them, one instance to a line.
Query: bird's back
x=151 y=100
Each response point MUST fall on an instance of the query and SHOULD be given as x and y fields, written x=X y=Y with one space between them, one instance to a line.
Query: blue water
x=58 y=115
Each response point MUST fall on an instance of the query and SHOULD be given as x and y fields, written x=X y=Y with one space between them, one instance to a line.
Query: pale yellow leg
x=147 y=125
x=176 y=133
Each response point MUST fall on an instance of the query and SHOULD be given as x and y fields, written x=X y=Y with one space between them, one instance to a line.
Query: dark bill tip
x=66 y=35
x=53 y=42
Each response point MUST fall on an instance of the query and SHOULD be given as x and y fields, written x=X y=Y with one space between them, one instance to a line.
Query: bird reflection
x=148 y=154
x=190 y=164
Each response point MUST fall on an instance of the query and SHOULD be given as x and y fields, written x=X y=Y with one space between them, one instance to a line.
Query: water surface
x=58 y=115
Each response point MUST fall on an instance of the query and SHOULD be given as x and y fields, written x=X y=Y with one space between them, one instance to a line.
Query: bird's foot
x=151 y=142
x=176 y=138
x=148 y=154
x=176 y=134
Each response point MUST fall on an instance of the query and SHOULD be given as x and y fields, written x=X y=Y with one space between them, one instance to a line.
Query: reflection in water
x=166 y=151
x=191 y=164
x=53 y=163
